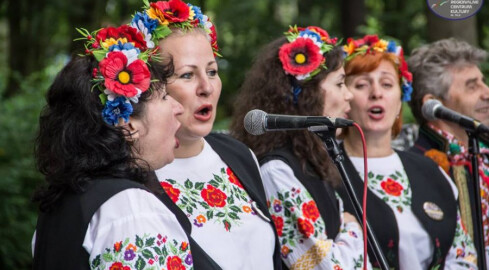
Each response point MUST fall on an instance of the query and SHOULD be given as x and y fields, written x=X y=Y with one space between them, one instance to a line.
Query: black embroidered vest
x=60 y=233
x=322 y=193
x=428 y=184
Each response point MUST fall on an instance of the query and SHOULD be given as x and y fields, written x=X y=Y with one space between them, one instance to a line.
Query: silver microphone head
x=428 y=109
x=254 y=122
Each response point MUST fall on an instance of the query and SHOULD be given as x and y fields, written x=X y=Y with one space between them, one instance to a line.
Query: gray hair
x=431 y=64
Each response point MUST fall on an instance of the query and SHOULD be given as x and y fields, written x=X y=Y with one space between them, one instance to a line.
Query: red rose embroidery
x=232 y=178
x=174 y=263
x=305 y=227
x=391 y=187
x=172 y=192
x=213 y=196
x=310 y=210
x=119 y=266
x=279 y=224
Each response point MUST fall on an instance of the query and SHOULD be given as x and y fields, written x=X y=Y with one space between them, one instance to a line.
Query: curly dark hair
x=74 y=144
x=267 y=87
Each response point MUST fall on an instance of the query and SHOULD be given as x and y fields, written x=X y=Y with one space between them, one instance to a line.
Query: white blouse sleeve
x=302 y=233
x=134 y=229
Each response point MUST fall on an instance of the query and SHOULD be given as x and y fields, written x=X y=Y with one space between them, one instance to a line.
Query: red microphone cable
x=364 y=201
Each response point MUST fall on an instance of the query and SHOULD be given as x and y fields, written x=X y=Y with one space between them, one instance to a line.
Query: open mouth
x=203 y=113
x=482 y=110
x=376 y=112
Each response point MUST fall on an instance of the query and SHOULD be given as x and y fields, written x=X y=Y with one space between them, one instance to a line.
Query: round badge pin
x=433 y=211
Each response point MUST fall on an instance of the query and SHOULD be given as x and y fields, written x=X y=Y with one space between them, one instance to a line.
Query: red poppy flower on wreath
x=213 y=36
x=174 y=263
x=232 y=178
x=305 y=227
x=124 y=79
x=123 y=31
x=371 y=39
x=173 y=10
x=172 y=192
x=279 y=224
x=391 y=187
x=300 y=57
x=119 y=266
x=213 y=196
x=310 y=210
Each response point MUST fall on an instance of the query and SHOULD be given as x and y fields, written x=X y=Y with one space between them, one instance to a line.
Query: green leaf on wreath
x=220 y=214
x=379 y=177
x=286 y=212
x=235 y=208
x=370 y=175
x=233 y=215
x=190 y=210
x=280 y=196
x=210 y=215
x=164 y=252
x=230 y=200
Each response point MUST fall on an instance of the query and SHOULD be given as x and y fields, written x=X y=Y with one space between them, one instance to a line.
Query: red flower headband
x=303 y=57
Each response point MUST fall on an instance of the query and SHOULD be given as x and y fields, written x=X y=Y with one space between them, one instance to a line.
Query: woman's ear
x=131 y=129
x=427 y=97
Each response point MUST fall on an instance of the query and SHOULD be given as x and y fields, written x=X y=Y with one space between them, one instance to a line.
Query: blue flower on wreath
x=391 y=47
x=115 y=109
x=123 y=47
x=148 y=23
x=407 y=90
x=198 y=13
x=310 y=34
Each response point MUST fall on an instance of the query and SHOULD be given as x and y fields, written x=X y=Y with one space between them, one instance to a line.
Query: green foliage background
x=243 y=27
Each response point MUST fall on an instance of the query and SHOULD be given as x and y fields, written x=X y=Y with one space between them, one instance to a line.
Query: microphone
x=433 y=109
x=257 y=122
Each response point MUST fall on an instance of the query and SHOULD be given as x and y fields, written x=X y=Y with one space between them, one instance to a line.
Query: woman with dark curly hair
x=301 y=74
x=107 y=124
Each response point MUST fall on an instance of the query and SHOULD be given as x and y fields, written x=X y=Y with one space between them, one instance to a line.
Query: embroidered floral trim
x=394 y=189
x=458 y=153
x=463 y=244
x=222 y=199
x=295 y=211
x=146 y=252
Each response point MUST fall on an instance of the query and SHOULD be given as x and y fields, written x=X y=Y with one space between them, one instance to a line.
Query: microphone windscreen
x=254 y=122
x=428 y=109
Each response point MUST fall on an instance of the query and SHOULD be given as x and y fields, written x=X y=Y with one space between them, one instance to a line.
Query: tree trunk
x=352 y=15
x=439 y=28
x=17 y=47
x=88 y=14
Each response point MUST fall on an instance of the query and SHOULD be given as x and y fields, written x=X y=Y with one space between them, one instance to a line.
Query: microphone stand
x=474 y=152
x=327 y=135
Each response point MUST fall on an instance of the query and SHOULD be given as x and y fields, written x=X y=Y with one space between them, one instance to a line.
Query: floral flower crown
x=372 y=44
x=303 y=57
x=123 y=53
